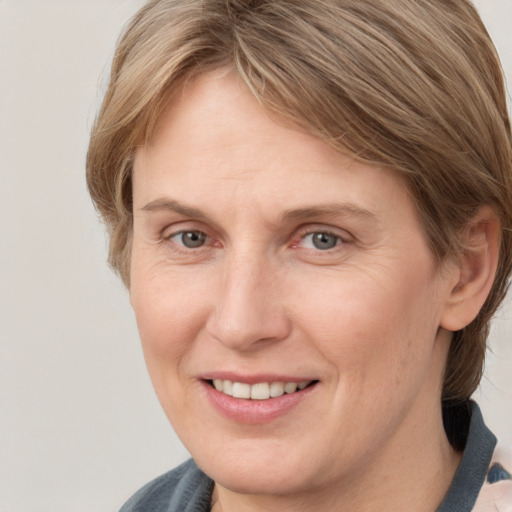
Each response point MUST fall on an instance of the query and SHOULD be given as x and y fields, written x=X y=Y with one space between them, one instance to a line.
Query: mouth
x=256 y=399
x=260 y=390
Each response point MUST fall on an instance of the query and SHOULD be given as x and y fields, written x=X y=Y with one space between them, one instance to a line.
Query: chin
x=261 y=481
x=262 y=471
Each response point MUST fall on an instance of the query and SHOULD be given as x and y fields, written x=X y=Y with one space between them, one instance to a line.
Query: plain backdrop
x=80 y=427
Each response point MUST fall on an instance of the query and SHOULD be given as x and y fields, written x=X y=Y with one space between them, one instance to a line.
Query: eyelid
x=174 y=233
x=176 y=228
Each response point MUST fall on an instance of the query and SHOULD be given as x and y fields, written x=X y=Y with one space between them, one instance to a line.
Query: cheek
x=170 y=312
x=169 y=317
x=374 y=330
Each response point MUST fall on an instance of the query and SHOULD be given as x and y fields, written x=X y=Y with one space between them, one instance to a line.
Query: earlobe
x=474 y=272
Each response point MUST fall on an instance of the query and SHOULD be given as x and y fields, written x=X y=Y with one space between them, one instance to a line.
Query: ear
x=473 y=275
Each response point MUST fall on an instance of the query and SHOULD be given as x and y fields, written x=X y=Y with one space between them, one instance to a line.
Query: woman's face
x=263 y=259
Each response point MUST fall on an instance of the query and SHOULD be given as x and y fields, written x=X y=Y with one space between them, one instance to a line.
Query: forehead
x=216 y=110
x=215 y=138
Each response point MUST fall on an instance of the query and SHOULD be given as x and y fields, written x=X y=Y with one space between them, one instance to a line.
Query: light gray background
x=80 y=428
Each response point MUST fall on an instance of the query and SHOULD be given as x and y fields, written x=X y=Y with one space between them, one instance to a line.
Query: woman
x=311 y=206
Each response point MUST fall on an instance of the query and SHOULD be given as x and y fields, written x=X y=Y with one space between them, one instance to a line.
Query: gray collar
x=470 y=475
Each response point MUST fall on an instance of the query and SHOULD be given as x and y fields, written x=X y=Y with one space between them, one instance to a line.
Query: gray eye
x=322 y=241
x=191 y=239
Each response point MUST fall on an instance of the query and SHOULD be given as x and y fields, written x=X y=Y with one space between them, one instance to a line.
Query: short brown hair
x=413 y=85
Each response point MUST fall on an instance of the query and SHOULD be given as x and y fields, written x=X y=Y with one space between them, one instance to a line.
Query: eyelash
x=180 y=247
x=302 y=236
x=307 y=232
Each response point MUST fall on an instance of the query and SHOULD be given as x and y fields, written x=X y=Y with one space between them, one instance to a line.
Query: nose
x=249 y=309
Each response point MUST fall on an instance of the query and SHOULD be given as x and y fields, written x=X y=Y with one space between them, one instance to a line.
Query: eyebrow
x=329 y=210
x=324 y=210
x=173 y=206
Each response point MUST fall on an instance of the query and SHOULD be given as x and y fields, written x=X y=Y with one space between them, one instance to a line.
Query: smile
x=256 y=399
x=260 y=390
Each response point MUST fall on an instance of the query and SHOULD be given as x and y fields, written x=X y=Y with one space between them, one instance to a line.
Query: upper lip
x=255 y=378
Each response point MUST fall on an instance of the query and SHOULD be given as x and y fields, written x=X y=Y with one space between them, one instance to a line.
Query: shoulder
x=184 y=489
x=496 y=493
x=495 y=497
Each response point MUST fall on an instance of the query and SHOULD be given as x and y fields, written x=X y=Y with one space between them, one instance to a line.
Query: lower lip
x=255 y=411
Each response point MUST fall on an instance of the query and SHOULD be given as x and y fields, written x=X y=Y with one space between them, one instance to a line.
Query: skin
x=365 y=317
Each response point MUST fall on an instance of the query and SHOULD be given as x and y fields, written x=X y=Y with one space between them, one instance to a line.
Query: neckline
x=472 y=469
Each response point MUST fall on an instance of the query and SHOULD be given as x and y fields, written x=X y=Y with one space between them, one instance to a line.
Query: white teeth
x=241 y=390
x=276 y=389
x=227 y=388
x=290 y=387
x=259 y=391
